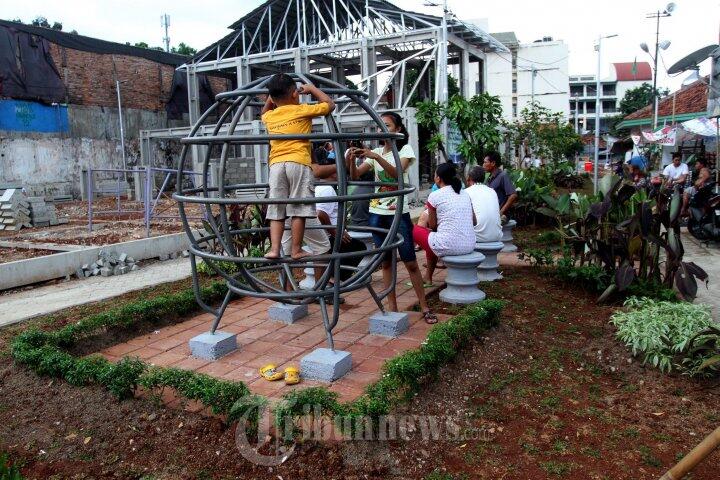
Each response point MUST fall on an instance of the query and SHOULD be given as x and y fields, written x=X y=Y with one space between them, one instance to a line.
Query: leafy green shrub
x=551 y=237
x=402 y=375
x=701 y=355
x=662 y=331
x=227 y=267
x=650 y=289
x=122 y=378
x=41 y=351
x=7 y=471
x=537 y=257
x=590 y=277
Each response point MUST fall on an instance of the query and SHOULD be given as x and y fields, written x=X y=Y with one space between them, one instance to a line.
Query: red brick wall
x=90 y=79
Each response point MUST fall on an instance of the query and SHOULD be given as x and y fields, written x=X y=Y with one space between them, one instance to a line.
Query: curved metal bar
x=247 y=281
x=264 y=138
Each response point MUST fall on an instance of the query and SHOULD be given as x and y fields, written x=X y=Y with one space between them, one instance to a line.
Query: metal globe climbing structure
x=255 y=276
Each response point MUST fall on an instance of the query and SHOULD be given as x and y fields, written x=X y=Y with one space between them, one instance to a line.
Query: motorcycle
x=704 y=221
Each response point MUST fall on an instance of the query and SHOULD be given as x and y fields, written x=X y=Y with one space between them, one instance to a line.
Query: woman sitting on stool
x=450 y=221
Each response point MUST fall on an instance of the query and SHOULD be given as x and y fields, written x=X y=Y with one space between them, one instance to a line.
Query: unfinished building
x=397 y=57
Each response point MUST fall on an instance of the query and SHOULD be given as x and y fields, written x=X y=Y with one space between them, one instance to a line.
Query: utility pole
x=166 y=23
x=657 y=15
x=597 y=113
x=122 y=129
x=533 y=71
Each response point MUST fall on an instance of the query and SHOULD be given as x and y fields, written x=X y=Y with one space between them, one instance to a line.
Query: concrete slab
x=49 y=267
x=211 y=346
x=325 y=365
x=286 y=313
x=389 y=324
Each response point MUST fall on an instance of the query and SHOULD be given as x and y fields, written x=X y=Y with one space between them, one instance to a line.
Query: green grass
x=556 y=468
x=648 y=457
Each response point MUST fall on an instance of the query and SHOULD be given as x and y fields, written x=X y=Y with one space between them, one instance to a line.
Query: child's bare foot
x=272 y=255
x=300 y=254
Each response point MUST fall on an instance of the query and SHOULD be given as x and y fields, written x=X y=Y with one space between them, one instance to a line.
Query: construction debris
x=43 y=214
x=109 y=263
x=14 y=211
x=18 y=211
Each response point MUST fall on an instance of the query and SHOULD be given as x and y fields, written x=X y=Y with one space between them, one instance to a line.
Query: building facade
x=59 y=101
x=531 y=72
x=623 y=77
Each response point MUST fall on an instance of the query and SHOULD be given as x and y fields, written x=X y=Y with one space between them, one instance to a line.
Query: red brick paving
x=263 y=341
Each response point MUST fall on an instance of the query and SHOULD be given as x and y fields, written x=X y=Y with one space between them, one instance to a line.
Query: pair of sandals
x=271 y=373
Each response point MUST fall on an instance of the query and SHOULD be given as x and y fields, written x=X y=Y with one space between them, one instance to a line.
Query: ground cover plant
x=670 y=336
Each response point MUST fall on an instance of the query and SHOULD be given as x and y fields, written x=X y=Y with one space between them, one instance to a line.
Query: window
x=591 y=91
x=590 y=107
x=608 y=90
x=514 y=85
x=514 y=110
x=608 y=106
x=576 y=90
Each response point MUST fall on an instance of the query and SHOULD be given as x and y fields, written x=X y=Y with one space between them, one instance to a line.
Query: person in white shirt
x=488 y=227
x=676 y=173
x=450 y=221
x=327 y=214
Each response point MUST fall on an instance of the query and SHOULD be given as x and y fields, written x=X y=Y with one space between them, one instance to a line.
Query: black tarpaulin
x=95 y=45
x=178 y=102
x=27 y=71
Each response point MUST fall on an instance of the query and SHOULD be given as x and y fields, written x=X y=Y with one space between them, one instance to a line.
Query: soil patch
x=548 y=394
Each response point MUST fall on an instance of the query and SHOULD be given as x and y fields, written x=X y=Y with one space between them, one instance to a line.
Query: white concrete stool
x=507 y=237
x=308 y=282
x=367 y=239
x=462 y=279
x=487 y=270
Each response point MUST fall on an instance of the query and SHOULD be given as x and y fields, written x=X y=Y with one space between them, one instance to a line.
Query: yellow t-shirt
x=289 y=119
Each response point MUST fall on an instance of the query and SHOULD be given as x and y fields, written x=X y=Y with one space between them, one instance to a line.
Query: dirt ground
x=548 y=394
x=108 y=228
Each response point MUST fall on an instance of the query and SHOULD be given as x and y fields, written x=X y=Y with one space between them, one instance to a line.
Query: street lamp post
x=658 y=45
x=597 y=113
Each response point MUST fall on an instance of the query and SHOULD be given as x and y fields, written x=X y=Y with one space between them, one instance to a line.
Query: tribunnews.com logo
x=270 y=445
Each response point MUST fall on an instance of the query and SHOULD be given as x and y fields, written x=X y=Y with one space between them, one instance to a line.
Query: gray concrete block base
x=488 y=269
x=325 y=364
x=507 y=237
x=211 y=346
x=389 y=324
x=462 y=279
x=286 y=313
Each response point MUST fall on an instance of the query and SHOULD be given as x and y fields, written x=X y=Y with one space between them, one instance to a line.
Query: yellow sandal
x=292 y=376
x=269 y=373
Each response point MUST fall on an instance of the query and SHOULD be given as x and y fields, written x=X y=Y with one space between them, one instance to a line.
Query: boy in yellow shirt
x=291 y=175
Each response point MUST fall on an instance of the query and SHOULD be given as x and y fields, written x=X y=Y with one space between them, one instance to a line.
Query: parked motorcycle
x=704 y=221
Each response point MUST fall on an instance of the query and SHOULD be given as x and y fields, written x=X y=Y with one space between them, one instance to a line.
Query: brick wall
x=90 y=79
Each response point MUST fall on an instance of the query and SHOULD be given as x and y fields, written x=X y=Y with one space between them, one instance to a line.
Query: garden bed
x=551 y=389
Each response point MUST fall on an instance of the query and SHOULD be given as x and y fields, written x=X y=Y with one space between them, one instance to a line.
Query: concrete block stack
x=109 y=263
x=44 y=214
x=14 y=210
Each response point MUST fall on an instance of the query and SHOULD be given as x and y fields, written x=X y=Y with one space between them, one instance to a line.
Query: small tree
x=636 y=98
x=57 y=26
x=477 y=119
x=183 y=49
x=545 y=133
x=41 y=22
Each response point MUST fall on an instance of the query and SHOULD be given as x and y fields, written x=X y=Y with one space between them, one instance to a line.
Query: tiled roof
x=690 y=99
x=624 y=71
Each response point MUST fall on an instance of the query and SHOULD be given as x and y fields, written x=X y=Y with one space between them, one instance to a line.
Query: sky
x=693 y=24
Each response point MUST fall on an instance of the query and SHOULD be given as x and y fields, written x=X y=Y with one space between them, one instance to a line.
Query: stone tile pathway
x=262 y=341
x=706 y=256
